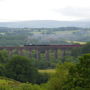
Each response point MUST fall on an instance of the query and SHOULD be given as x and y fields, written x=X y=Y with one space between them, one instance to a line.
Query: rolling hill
x=45 y=24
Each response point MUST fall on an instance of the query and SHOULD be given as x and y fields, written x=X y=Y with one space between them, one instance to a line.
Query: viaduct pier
x=40 y=48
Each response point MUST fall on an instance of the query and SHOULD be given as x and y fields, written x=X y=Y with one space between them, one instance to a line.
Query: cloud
x=44 y=10
x=2 y=0
x=82 y=13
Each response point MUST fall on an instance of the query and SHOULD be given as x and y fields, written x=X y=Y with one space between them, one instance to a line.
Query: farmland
x=22 y=36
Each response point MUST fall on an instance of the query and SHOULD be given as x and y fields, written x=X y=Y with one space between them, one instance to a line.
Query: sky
x=62 y=10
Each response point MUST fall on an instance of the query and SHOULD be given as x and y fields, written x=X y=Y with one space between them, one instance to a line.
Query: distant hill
x=45 y=24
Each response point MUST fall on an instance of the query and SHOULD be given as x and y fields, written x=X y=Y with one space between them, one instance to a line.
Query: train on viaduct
x=45 y=48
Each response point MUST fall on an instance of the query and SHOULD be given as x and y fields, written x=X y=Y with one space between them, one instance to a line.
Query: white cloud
x=13 y=10
x=81 y=13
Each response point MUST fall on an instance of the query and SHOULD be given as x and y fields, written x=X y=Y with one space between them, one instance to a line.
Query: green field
x=47 y=71
x=76 y=42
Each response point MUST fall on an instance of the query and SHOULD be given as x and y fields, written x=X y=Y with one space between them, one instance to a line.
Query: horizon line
x=44 y=20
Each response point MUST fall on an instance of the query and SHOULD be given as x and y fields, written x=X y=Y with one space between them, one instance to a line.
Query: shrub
x=20 y=68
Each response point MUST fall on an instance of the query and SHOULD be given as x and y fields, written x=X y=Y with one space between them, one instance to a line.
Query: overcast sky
x=20 y=10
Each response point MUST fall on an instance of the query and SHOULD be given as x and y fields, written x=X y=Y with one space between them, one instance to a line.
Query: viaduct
x=45 y=48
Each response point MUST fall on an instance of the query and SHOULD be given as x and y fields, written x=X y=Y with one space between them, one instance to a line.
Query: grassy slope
x=7 y=81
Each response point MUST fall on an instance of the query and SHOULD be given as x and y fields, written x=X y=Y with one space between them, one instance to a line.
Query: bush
x=2 y=70
x=43 y=78
x=79 y=75
x=57 y=81
x=20 y=68
x=4 y=56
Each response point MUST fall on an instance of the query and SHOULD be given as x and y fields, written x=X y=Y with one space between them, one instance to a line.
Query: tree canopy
x=20 y=68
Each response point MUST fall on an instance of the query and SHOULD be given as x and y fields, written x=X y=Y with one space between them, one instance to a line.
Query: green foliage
x=3 y=56
x=76 y=51
x=86 y=48
x=2 y=70
x=7 y=84
x=43 y=78
x=58 y=80
x=81 y=50
x=30 y=87
x=71 y=59
x=20 y=68
x=79 y=75
x=68 y=76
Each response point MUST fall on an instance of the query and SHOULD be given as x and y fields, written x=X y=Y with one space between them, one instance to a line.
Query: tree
x=86 y=48
x=3 y=56
x=58 y=80
x=79 y=76
x=20 y=68
x=76 y=51
x=2 y=70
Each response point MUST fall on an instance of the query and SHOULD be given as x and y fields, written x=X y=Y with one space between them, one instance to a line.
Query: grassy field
x=77 y=42
x=47 y=71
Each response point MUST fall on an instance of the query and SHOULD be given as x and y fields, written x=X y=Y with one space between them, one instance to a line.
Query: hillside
x=61 y=35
